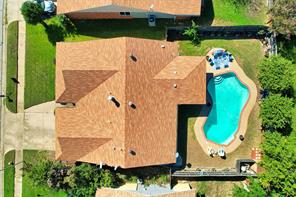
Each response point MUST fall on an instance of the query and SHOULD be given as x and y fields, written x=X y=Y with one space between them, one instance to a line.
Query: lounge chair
x=212 y=63
x=217 y=67
x=226 y=66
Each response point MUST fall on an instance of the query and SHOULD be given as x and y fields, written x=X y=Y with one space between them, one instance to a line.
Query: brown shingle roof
x=108 y=192
x=79 y=83
x=140 y=136
x=175 y=7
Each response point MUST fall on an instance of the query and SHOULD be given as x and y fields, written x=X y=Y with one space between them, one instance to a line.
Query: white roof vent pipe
x=151 y=7
x=132 y=105
x=162 y=46
x=110 y=98
x=101 y=165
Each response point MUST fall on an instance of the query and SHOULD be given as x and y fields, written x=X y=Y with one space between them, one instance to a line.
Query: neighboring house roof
x=147 y=73
x=174 y=7
x=109 y=192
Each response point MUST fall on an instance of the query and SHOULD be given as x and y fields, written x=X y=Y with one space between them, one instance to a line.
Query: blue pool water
x=229 y=96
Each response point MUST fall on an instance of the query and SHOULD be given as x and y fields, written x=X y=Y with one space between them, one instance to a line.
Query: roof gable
x=79 y=83
x=73 y=149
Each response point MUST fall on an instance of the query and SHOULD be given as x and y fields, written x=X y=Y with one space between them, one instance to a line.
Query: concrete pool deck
x=243 y=123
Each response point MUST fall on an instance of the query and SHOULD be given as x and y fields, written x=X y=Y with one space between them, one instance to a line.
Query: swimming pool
x=229 y=97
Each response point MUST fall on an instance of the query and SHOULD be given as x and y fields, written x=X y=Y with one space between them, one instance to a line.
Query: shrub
x=276 y=112
x=255 y=190
x=192 y=33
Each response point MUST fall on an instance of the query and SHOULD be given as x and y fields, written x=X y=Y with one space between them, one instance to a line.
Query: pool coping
x=244 y=116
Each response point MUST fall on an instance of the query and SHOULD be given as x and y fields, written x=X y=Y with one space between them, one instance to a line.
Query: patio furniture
x=217 y=67
x=212 y=63
x=226 y=66
x=221 y=152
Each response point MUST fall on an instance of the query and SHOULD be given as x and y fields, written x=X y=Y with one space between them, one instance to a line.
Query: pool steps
x=218 y=80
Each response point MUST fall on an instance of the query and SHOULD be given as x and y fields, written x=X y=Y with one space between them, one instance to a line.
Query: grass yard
x=9 y=174
x=40 y=69
x=221 y=12
x=248 y=53
x=12 y=67
x=28 y=189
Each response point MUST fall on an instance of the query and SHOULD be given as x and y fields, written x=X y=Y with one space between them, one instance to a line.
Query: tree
x=32 y=13
x=283 y=17
x=84 y=179
x=279 y=162
x=276 y=74
x=192 y=33
x=255 y=190
x=276 y=112
x=38 y=172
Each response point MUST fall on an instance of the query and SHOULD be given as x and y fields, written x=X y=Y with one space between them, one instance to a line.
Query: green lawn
x=9 y=174
x=28 y=189
x=220 y=12
x=12 y=64
x=40 y=69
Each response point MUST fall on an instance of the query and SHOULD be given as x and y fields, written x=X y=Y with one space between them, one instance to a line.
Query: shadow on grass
x=207 y=14
x=58 y=33
x=123 y=28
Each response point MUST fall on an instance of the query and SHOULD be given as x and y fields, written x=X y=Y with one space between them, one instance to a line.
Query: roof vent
x=151 y=7
x=175 y=72
x=134 y=58
x=113 y=99
x=175 y=85
x=162 y=46
x=133 y=153
x=132 y=105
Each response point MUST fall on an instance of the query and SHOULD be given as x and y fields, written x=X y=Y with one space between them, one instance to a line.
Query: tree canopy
x=77 y=180
x=276 y=112
x=276 y=74
x=255 y=190
x=279 y=162
x=32 y=12
x=85 y=179
x=283 y=17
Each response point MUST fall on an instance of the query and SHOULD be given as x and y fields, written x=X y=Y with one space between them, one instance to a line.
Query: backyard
x=28 y=189
x=247 y=53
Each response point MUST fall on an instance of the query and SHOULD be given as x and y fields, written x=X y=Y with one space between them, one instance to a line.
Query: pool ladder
x=218 y=79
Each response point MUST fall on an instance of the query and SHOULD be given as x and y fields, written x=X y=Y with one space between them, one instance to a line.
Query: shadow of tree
x=57 y=32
